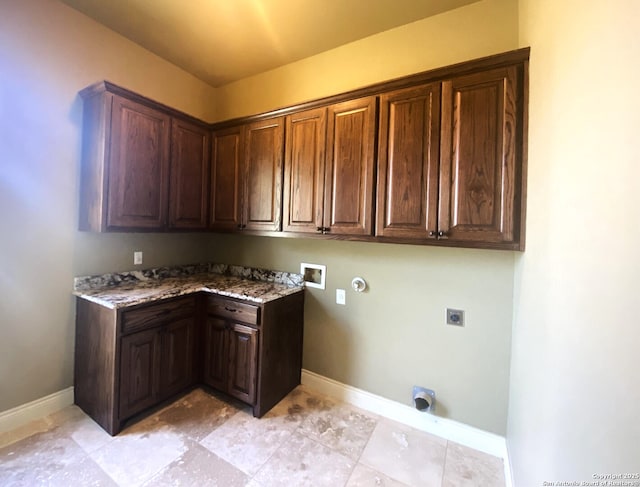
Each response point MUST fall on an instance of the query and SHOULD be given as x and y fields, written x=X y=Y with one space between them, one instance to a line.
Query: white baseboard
x=508 y=473
x=446 y=428
x=20 y=415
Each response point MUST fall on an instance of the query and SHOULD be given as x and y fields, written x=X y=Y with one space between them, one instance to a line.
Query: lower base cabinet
x=231 y=351
x=253 y=352
x=139 y=372
x=132 y=359
x=178 y=354
x=243 y=362
x=156 y=364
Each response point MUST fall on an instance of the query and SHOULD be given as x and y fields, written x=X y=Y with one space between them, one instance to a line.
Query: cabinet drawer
x=233 y=310
x=156 y=314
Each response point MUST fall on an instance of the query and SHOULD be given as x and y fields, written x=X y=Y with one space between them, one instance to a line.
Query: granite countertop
x=124 y=289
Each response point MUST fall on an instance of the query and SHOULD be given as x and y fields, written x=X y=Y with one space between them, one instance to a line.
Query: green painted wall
x=393 y=337
x=383 y=341
x=48 y=52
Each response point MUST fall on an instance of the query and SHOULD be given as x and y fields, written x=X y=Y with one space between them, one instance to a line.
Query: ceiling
x=220 y=41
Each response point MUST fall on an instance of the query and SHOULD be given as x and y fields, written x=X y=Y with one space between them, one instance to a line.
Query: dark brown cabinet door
x=216 y=352
x=189 y=176
x=304 y=171
x=227 y=177
x=177 y=352
x=349 y=169
x=128 y=360
x=243 y=362
x=138 y=166
x=478 y=156
x=407 y=199
x=263 y=161
x=139 y=371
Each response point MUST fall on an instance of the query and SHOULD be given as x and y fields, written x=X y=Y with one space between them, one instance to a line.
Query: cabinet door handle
x=320 y=229
x=239 y=225
x=326 y=229
x=433 y=234
x=230 y=310
x=443 y=235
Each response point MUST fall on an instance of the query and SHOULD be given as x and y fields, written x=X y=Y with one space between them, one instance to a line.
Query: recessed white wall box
x=137 y=257
x=314 y=275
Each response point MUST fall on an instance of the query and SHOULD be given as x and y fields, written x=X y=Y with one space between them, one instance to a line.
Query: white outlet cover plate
x=341 y=296
x=137 y=258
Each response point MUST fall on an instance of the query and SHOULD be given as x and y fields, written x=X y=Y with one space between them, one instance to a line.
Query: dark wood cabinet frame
x=483 y=208
x=132 y=359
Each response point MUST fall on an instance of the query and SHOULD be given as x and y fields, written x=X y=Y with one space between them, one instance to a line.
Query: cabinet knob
x=320 y=229
x=326 y=229
x=442 y=235
x=433 y=234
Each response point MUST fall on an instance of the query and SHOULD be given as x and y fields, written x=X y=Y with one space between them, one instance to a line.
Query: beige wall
x=575 y=386
x=394 y=336
x=48 y=52
x=480 y=29
x=383 y=341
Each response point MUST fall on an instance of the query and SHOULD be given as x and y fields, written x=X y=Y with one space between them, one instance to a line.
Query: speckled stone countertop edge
x=184 y=292
x=100 y=281
x=132 y=288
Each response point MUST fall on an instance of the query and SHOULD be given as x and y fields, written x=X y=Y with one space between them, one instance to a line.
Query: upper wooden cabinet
x=450 y=161
x=137 y=189
x=227 y=179
x=304 y=171
x=246 y=177
x=479 y=177
x=434 y=158
x=407 y=200
x=144 y=166
x=263 y=158
x=189 y=176
x=329 y=169
x=350 y=156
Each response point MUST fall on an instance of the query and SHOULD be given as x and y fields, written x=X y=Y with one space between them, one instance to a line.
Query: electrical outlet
x=341 y=297
x=455 y=317
x=137 y=257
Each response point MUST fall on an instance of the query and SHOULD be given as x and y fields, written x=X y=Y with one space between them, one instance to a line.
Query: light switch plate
x=341 y=296
x=137 y=257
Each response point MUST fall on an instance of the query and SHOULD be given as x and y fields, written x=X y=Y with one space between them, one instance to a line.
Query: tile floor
x=206 y=440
